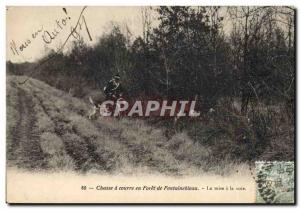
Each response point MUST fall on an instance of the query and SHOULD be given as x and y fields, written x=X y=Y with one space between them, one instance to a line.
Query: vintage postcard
x=164 y=104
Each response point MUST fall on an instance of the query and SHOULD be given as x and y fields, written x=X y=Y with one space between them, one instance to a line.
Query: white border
x=153 y=2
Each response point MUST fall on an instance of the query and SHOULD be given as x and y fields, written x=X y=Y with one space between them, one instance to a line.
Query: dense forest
x=240 y=61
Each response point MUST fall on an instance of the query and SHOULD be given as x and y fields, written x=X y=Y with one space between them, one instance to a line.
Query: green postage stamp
x=275 y=182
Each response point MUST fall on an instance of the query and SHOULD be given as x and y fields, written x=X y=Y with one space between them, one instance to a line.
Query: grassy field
x=49 y=130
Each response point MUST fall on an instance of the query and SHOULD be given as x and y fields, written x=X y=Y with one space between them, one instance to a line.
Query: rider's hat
x=117 y=76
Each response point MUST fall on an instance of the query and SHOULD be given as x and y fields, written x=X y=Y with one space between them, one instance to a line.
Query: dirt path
x=25 y=150
x=52 y=131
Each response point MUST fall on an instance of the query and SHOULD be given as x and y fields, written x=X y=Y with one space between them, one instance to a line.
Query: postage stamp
x=275 y=182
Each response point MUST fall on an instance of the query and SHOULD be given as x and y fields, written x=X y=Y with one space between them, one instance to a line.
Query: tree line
x=208 y=53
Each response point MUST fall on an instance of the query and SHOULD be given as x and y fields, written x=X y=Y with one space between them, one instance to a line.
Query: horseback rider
x=113 y=90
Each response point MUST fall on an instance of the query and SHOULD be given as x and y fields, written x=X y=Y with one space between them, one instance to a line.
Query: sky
x=24 y=42
x=32 y=32
x=22 y=22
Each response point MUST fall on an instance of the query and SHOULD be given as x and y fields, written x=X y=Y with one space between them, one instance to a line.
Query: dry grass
x=53 y=146
x=12 y=115
x=70 y=141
